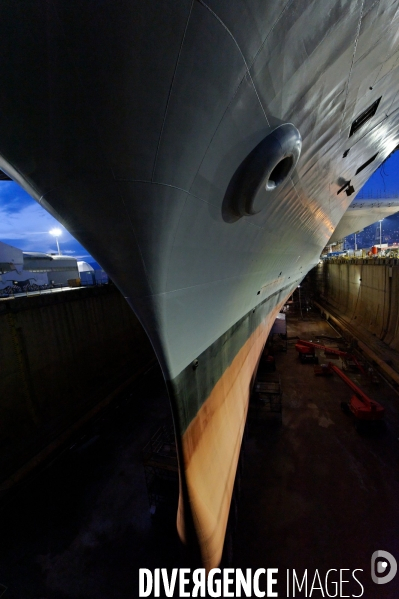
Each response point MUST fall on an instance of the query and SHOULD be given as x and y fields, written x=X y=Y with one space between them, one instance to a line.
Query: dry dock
x=61 y=355
x=314 y=493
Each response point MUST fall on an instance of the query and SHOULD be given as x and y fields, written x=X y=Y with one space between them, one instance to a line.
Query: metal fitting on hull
x=269 y=164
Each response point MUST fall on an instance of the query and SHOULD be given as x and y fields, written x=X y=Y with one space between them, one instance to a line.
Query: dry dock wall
x=366 y=292
x=60 y=355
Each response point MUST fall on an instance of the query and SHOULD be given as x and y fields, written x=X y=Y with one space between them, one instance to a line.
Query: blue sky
x=24 y=224
x=385 y=180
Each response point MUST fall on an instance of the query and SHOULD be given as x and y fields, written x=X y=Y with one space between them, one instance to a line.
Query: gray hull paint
x=126 y=120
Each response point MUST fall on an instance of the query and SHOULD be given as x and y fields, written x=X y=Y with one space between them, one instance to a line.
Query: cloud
x=13 y=198
x=26 y=225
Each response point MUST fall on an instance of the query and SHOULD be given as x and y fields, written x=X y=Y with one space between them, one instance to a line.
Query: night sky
x=383 y=184
x=24 y=224
x=385 y=180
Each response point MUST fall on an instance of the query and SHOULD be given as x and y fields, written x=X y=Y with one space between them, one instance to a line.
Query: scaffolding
x=266 y=397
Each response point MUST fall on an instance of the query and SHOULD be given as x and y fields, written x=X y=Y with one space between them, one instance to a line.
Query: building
x=26 y=270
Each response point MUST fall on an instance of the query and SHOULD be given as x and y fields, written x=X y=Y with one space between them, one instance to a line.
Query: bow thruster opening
x=280 y=172
x=267 y=167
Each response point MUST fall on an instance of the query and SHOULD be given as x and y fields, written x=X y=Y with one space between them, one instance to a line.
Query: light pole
x=380 y=232
x=56 y=233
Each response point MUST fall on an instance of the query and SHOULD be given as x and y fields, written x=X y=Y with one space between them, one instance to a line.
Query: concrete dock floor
x=315 y=494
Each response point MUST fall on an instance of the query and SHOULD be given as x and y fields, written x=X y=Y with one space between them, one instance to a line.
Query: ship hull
x=210 y=402
x=130 y=127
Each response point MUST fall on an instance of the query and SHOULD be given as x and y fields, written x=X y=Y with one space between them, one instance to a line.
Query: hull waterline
x=134 y=127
